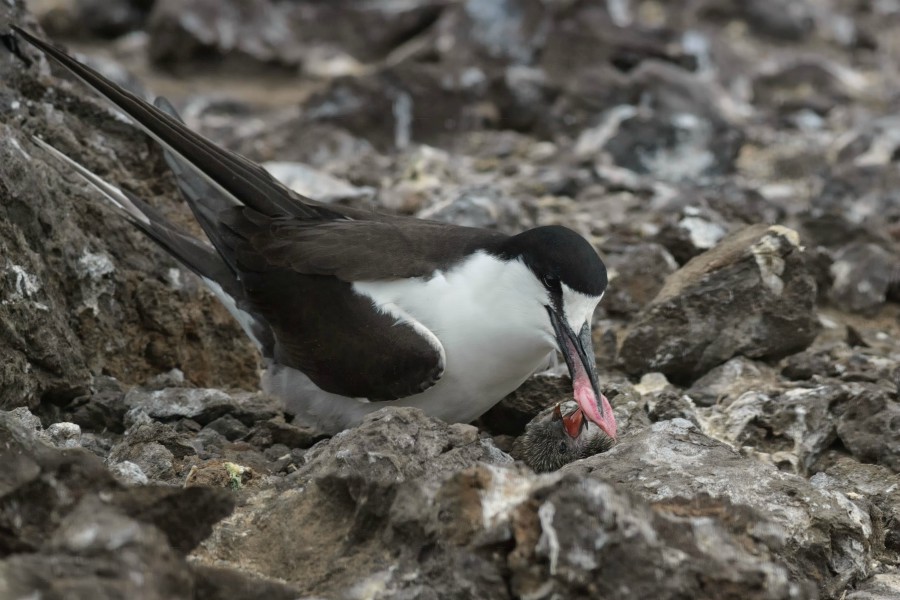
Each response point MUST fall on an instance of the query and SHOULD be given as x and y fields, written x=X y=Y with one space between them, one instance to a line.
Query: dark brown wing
x=298 y=277
x=351 y=250
x=337 y=338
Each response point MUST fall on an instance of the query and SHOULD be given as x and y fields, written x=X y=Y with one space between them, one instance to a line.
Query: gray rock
x=636 y=274
x=790 y=428
x=725 y=383
x=406 y=516
x=128 y=473
x=884 y=586
x=64 y=435
x=312 y=183
x=80 y=292
x=250 y=32
x=863 y=274
x=201 y=405
x=70 y=530
x=751 y=295
x=870 y=425
x=229 y=427
x=868 y=485
x=820 y=534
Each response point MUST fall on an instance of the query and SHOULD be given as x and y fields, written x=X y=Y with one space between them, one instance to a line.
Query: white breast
x=488 y=315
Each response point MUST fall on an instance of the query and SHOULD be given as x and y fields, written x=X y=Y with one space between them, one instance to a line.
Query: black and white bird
x=354 y=310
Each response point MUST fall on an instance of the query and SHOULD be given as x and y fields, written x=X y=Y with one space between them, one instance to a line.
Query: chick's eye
x=563 y=447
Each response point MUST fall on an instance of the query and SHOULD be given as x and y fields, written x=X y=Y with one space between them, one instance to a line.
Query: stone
x=315 y=184
x=883 y=586
x=862 y=277
x=251 y=33
x=636 y=274
x=751 y=295
x=69 y=529
x=488 y=519
x=870 y=425
x=789 y=428
x=727 y=382
x=821 y=535
x=869 y=485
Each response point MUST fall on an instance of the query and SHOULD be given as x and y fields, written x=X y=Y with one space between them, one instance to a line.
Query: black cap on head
x=558 y=254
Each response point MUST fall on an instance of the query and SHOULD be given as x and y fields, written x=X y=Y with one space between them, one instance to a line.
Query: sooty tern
x=347 y=305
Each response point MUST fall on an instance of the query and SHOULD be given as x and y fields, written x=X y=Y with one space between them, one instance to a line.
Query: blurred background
x=655 y=128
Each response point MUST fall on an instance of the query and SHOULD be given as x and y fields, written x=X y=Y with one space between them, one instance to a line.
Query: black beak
x=578 y=351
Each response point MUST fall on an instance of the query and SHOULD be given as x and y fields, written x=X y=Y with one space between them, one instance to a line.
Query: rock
x=229 y=427
x=806 y=85
x=478 y=207
x=636 y=274
x=201 y=405
x=128 y=473
x=386 y=107
x=820 y=535
x=670 y=405
x=863 y=274
x=112 y=19
x=570 y=560
x=673 y=147
x=78 y=18
x=694 y=231
x=158 y=449
x=725 y=383
x=81 y=291
x=778 y=19
x=751 y=295
x=883 y=586
x=276 y=431
x=64 y=435
x=216 y=583
x=254 y=33
x=218 y=473
x=870 y=425
x=866 y=484
x=315 y=184
x=790 y=428
x=69 y=529
x=102 y=410
x=461 y=516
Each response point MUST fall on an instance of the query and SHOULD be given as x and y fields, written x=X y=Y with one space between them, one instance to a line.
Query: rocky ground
x=735 y=164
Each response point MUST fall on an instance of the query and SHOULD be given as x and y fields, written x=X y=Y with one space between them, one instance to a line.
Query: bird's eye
x=563 y=447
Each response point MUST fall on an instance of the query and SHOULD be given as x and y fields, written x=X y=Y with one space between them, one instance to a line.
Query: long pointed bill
x=578 y=351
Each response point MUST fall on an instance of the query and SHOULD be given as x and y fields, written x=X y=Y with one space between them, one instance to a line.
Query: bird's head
x=572 y=279
x=547 y=444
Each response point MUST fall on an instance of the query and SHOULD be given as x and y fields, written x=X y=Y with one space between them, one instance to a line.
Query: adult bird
x=354 y=310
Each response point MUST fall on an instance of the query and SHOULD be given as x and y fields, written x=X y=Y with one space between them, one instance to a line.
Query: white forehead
x=578 y=307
